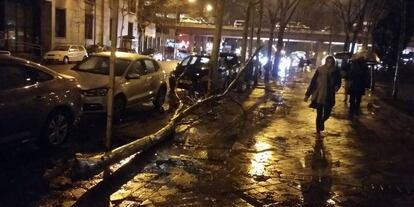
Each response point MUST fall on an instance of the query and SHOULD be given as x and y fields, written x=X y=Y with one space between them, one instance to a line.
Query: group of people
x=327 y=81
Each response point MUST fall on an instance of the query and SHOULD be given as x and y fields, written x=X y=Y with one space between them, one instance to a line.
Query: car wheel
x=56 y=129
x=119 y=108
x=65 y=60
x=160 y=98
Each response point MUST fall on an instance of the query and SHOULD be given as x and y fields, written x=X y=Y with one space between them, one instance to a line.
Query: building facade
x=36 y=26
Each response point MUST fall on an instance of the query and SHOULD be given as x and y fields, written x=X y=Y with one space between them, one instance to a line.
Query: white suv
x=66 y=53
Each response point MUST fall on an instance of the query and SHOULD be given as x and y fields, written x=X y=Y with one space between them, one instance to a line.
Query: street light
x=209 y=8
x=191 y=1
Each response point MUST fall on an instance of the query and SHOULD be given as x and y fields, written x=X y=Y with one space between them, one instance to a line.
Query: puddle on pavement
x=260 y=160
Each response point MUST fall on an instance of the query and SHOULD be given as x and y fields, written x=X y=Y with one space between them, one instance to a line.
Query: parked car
x=343 y=61
x=36 y=102
x=128 y=50
x=193 y=72
x=138 y=79
x=407 y=59
x=181 y=54
x=93 y=49
x=66 y=54
x=153 y=53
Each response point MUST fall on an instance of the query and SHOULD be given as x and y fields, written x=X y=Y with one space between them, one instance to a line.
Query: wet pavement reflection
x=269 y=156
x=318 y=191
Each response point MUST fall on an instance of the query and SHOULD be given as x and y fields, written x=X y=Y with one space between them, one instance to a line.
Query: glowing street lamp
x=209 y=8
x=191 y=1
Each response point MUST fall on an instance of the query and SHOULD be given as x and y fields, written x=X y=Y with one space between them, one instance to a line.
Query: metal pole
x=109 y=118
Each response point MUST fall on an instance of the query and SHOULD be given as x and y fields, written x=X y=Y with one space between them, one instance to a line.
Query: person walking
x=325 y=83
x=358 y=81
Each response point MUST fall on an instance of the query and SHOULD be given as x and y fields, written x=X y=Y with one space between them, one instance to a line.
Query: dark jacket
x=358 y=78
x=334 y=83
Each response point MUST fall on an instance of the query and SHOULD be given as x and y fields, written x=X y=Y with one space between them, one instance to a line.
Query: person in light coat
x=325 y=83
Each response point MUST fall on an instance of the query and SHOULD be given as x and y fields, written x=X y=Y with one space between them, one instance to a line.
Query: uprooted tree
x=92 y=165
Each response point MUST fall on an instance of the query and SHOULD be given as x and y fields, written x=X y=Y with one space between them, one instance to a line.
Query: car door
x=153 y=78
x=136 y=85
x=73 y=53
x=81 y=53
x=21 y=101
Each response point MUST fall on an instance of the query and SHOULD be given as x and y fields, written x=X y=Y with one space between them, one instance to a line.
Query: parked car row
x=37 y=102
x=76 y=53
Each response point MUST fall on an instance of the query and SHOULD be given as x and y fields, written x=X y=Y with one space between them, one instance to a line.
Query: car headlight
x=96 y=92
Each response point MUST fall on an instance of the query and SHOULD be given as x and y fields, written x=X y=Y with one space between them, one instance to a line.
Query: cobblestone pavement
x=268 y=157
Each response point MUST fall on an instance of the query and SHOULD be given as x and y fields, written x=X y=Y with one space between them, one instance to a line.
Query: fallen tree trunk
x=85 y=167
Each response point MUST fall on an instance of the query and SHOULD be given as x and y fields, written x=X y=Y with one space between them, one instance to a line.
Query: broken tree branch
x=86 y=167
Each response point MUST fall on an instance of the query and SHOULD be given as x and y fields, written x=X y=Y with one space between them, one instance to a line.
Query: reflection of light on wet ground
x=260 y=159
x=122 y=162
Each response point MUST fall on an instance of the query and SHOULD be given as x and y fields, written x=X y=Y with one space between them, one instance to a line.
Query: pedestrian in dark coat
x=325 y=83
x=358 y=81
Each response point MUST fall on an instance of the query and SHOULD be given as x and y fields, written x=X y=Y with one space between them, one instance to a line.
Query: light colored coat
x=323 y=86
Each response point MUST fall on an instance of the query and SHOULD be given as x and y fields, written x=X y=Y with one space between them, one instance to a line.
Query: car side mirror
x=133 y=76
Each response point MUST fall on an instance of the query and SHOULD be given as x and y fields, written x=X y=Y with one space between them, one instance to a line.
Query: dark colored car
x=36 y=102
x=93 y=49
x=153 y=53
x=343 y=61
x=194 y=71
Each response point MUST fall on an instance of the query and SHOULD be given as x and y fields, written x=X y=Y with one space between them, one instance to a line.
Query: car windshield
x=61 y=48
x=100 y=65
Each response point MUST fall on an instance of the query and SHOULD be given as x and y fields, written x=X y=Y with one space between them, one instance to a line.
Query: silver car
x=138 y=79
x=36 y=102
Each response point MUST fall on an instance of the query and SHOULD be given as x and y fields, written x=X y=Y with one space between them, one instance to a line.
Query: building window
x=60 y=24
x=130 y=28
x=88 y=26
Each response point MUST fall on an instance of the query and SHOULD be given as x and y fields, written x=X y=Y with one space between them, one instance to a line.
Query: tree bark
x=111 y=88
x=279 y=48
x=252 y=13
x=268 y=65
x=259 y=28
x=216 y=47
x=347 y=39
x=400 y=48
x=245 y=33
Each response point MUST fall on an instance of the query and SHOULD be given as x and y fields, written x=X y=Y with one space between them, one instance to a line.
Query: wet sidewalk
x=268 y=156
